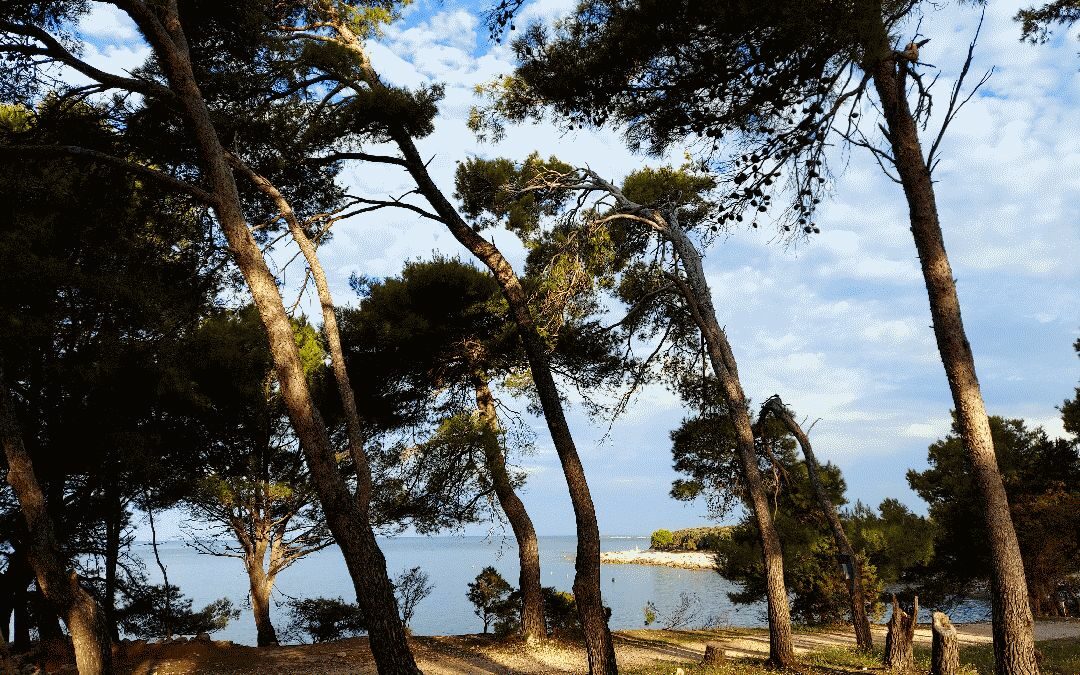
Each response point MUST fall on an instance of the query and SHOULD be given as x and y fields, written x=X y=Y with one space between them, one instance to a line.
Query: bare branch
x=954 y=104
x=57 y=52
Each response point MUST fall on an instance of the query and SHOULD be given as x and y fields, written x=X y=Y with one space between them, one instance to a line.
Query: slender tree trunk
x=113 y=527
x=699 y=297
x=532 y=614
x=82 y=614
x=945 y=649
x=353 y=426
x=261 y=585
x=164 y=571
x=863 y=637
x=587 y=593
x=1014 y=644
x=900 y=639
x=364 y=560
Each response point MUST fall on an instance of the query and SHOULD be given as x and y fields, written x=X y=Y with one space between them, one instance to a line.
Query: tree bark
x=82 y=614
x=699 y=297
x=863 y=637
x=900 y=639
x=351 y=530
x=532 y=612
x=587 y=593
x=261 y=585
x=1014 y=643
x=353 y=427
x=945 y=649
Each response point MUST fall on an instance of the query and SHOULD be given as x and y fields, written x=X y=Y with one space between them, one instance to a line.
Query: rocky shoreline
x=687 y=560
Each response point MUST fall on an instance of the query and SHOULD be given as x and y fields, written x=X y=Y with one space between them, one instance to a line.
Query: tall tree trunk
x=164 y=570
x=261 y=585
x=587 y=593
x=863 y=637
x=353 y=428
x=698 y=296
x=532 y=614
x=82 y=614
x=113 y=531
x=1014 y=644
x=350 y=527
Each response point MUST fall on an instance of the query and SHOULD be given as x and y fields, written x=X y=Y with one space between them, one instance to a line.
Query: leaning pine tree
x=335 y=32
x=777 y=80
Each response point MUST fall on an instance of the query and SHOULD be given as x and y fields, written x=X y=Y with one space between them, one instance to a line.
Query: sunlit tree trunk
x=260 y=585
x=349 y=525
x=863 y=637
x=601 y=651
x=85 y=619
x=698 y=296
x=1014 y=644
x=587 y=595
x=532 y=614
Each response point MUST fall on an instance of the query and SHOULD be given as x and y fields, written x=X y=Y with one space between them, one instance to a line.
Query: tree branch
x=79 y=152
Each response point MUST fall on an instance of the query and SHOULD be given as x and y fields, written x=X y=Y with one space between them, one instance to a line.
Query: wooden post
x=714 y=654
x=899 y=641
x=945 y=652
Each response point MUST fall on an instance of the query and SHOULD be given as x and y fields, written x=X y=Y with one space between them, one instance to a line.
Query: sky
x=839 y=324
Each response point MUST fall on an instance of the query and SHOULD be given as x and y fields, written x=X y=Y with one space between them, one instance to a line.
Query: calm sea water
x=451 y=563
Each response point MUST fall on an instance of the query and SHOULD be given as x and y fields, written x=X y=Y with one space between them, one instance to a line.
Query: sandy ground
x=476 y=654
x=691 y=560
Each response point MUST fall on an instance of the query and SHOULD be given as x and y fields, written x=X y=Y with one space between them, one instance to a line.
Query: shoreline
x=688 y=560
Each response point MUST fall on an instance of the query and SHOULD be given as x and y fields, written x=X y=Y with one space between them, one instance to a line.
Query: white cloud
x=929 y=430
x=108 y=23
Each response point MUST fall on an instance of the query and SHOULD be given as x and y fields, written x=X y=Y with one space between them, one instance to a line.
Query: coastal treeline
x=153 y=357
x=933 y=556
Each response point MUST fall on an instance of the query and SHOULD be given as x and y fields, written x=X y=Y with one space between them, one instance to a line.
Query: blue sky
x=839 y=326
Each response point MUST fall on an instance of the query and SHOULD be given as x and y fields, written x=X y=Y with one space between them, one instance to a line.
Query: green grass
x=1060 y=657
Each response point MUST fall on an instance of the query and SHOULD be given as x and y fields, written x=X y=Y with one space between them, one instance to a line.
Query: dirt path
x=477 y=654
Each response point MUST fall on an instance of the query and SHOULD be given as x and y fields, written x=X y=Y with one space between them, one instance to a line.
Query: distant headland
x=688 y=548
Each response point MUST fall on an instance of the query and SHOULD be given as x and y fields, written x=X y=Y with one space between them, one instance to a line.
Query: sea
x=451 y=562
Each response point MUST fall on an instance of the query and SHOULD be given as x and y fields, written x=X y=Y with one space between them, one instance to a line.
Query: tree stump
x=945 y=652
x=714 y=654
x=900 y=640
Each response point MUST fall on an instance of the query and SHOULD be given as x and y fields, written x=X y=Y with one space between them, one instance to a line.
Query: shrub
x=154 y=611
x=662 y=540
x=324 y=619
